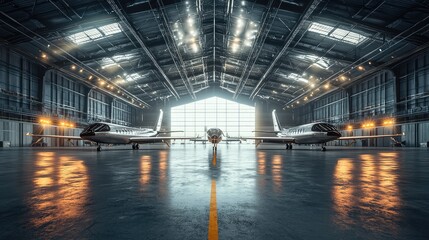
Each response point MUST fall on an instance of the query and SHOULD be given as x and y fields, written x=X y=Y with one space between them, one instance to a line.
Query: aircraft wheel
x=323 y=149
x=137 y=147
x=99 y=149
x=290 y=146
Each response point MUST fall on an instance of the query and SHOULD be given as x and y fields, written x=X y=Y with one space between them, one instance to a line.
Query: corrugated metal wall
x=401 y=93
x=29 y=91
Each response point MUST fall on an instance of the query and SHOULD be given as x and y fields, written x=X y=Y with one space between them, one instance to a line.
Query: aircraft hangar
x=214 y=119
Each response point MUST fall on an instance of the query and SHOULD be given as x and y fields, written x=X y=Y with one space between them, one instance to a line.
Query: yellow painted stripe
x=214 y=159
x=213 y=229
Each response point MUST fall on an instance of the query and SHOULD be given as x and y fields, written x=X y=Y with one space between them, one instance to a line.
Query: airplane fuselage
x=313 y=133
x=114 y=134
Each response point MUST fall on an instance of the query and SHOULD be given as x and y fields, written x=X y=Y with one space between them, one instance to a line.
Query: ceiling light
x=190 y=21
x=195 y=47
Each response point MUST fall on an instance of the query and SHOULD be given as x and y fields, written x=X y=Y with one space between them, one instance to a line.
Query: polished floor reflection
x=187 y=192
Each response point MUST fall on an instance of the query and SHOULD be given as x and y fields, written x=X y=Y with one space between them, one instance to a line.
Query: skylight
x=107 y=62
x=132 y=77
x=316 y=61
x=123 y=57
x=94 y=34
x=297 y=77
x=110 y=29
x=320 y=28
x=338 y=34
x=348 y=36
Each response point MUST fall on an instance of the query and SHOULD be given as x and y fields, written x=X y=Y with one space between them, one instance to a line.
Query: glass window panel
x=227 y=115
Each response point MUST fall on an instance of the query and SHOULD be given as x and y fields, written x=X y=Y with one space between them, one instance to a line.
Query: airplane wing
x=367 y=137
x=232 y=140
x=272 y=139
x=143 y=140
x=55 y=136
x=198 y=140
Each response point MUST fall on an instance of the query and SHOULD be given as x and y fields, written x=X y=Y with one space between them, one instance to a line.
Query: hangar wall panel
x=63 y=97
x=20 y=81
x=413 y=88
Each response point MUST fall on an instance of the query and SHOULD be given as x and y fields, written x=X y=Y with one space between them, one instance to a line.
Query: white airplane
x=116 y=134
x=215 y=136
x=313 y=133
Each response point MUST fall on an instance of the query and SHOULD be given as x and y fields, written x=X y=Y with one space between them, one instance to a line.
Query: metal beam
x=117 y=9
x=174 y=51
x=257 y=48
x=371 y=27
x=300 y=23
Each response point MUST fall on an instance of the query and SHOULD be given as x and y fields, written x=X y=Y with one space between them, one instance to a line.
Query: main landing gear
x=288 y=145
x=136 y=146
x=323 y=148
x=99 y=148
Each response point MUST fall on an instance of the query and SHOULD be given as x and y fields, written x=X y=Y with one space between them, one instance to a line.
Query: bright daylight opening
x=232 y=118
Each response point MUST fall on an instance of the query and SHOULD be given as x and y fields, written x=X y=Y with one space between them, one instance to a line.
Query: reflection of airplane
x=214 y=135
x=117 y=134
x=313 y=133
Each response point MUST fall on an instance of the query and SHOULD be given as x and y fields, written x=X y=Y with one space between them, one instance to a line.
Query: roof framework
x=164 y=50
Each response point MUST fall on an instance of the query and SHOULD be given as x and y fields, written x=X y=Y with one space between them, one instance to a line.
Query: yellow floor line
x=213 y=229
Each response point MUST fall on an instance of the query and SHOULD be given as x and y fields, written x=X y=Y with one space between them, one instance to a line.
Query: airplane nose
x=334 y=134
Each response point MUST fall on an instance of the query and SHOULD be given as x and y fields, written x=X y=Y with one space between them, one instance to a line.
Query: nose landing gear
x=136 y=146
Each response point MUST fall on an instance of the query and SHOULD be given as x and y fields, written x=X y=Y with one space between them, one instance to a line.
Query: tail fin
x=276 y=123
x=158 y=124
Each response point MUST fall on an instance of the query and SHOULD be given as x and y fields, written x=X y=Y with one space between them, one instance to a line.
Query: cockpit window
x=97 y=127
x=323 y=127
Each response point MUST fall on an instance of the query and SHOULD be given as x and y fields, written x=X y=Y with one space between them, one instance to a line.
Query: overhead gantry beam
x=298 y=26
x=174 y=50
x=117 y=9
x=257 y=48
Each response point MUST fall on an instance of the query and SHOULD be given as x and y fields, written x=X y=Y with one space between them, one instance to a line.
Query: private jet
x=314 y=133
x=109 y=133
x=215 y=136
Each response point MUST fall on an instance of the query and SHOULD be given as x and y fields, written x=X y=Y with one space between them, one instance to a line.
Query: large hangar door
x=233 y=118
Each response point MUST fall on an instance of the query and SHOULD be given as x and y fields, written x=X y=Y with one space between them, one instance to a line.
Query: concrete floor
x=242 y=193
